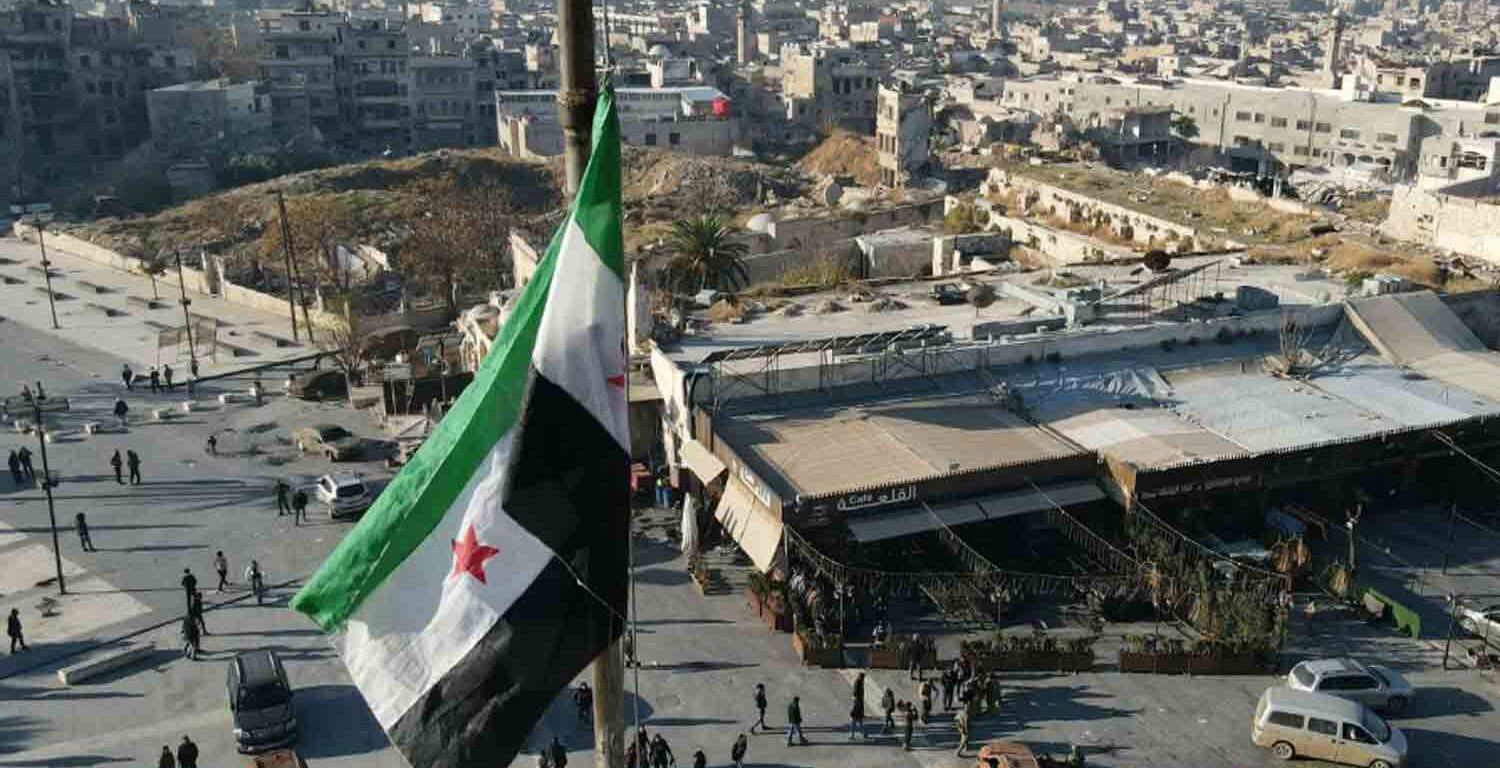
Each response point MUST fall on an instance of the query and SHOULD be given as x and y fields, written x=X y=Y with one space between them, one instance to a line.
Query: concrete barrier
x=108 y=662
x=91 y=428
x=160 y=414
x=186 y=406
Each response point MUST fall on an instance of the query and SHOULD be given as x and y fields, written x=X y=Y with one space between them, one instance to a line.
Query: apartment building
x=830 y=88
x=191 y=119
x=903 y=134
x=1464 y=79
x=297 y=64
x=445 y=112
x=696 y=120
x=374 y=87
x=1266 y=129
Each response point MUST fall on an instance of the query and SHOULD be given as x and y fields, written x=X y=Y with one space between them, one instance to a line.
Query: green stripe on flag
x=596 y=210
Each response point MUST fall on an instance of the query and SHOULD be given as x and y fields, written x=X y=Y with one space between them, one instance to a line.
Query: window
x=650 y=139
x=1278 y=122
x=1260 y=117
x=390 y=45
x=1299 y=150
x=90 y=87
x=674 y=139
x=1303 y=125
x=360 y=45
x=304 y=25
x=1325 y=727
x=282 y=52
x=1349 y=133
x=170 y=61
x=1323 y=128
x=1286 y=719
x=1360 y=683
x=1243 y=141
x=1415 y=82
x=1242 y=117
x=84 y=62
x=1355 y=733
x=1491 y=118
x=1386 y=138
x=1276 y=147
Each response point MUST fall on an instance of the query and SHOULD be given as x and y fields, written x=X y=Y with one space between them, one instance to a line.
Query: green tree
x=704 y=255
x=1185 y=127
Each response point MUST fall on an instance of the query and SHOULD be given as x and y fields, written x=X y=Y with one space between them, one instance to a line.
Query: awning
x=757 y=531
x=703 y=463
x=905 y=522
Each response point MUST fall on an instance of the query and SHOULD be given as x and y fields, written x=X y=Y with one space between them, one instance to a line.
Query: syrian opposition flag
x=493 y=568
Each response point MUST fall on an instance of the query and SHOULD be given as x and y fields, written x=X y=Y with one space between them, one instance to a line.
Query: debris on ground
x=883 y=304
x=827 y=307
x=845 y=154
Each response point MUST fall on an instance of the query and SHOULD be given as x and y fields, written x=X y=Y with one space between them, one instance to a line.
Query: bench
x=108 y=311
x=93 y=287
x=274 y=339
x=141 y=301
x=56 y=295
x=108 y=662
x=11 y=280
x=160 y=414
x=238 y=351
x=92 y=428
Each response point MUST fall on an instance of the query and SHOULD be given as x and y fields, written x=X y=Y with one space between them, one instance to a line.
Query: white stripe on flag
x=424 y=619
x=580 y=345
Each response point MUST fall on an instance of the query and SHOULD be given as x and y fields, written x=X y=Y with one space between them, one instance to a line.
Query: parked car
x=1294 y=723
x=1369 y=684
x=260 y=702
x=331 y=440
x=947 y=294
x=1482 y=621
x=345 y=494
x=325 y=384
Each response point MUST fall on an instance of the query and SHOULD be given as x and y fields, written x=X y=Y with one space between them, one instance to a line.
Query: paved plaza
x=702 y=655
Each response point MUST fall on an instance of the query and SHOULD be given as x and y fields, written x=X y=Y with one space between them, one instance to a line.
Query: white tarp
x=756 y=531
x=689 y=524
x=893 y=525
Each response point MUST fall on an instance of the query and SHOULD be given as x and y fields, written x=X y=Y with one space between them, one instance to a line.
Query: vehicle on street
x=331 y=440
x=260 y=702
x=948 y=294
x=345 y=493
x=1293 y=723
x=326 y=384
x=1482 y=621
x=1372 y=685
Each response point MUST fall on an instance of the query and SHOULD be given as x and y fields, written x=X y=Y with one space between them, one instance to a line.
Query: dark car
x=260 y=701
x=331 y=440
x=948 y=294
x=320 y=385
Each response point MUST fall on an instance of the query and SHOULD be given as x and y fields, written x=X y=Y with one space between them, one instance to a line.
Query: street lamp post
x=41 y=242
x=187 y=323
x=41 y=441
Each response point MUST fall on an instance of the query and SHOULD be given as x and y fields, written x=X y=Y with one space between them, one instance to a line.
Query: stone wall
x=956 y=253
x=814 y=232
x=1446 y=220
x=1144 y=229
x=1058 y=245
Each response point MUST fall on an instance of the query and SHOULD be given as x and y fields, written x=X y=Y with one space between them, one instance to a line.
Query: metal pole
x=41 y=441
x=286 y=248
x=187 y=321
x=575 y=102
x=41 y=242
x=1452 y=513
x=1452 y=618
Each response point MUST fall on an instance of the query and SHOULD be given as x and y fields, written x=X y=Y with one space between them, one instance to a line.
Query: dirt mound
x=883 y=304
x=723 y=311
x=827 y=307
x=845 y=154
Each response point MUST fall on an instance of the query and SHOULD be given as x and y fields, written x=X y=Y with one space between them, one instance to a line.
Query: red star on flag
x=469 y=555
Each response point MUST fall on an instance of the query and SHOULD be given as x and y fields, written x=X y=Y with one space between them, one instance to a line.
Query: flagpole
x=575 y=103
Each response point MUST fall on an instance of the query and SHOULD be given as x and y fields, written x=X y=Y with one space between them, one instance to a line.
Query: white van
x=1296 y=723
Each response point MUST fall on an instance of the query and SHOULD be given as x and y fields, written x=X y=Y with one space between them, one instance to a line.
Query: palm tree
x=705 y=256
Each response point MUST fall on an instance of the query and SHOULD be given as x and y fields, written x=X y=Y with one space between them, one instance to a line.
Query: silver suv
x=1374 y=686
x=345 y=494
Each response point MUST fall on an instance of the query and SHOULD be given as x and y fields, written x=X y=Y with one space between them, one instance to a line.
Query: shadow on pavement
x=700 y=666
x=336 y=721
x=16 y=731
x=76 y=761
x=1460 y=750
x=38 y=693
x=1446 y=700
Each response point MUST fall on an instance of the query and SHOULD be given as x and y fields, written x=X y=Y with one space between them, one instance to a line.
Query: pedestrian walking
x=925 y=690
x=189 y=586
x=888 y=705
x=661 y=753
x=760 y=707
x=914 y=657
x=41 y=394
x=213 y=445
x=187 y=754
x=155 y=377
x=166 y=760
x=166 y=374
x=700 y=760
x=299 y=506
x=26 y=393
x=857 y=708
x=583 y=701
x=128 y=376
x=643 y=745
x=26 y=469
x=221 y=567
x=85 y=542
x=558 y=753
x=14 y=462
x=737 y=752
x=282 y=505
x=962 y=723
x=116 y=463
x=632 y=760
x=121 y=409
x=190 y=638
x=947 y=682
x=794 y=722
x=257 y=580
x=13 y=630
x=133 y=463
x=910 y=726
x=196 y=611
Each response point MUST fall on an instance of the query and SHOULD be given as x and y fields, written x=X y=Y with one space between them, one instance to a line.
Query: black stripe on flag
x=569 y=487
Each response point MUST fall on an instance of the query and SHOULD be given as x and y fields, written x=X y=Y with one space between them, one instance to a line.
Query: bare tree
x=342 y=338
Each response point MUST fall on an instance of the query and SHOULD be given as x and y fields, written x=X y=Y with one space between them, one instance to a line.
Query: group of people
x=187 y=755
x=193 y=625
x=21 y=470
x=132 y=462
x=159 y=379
x=291 y=503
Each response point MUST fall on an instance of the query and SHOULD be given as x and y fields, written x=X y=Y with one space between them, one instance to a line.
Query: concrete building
x=191 y=119
x=296 y=63
x=903 y=134
x=374 y=86
x=832 y=88
x=695 y=120
x=444 y=112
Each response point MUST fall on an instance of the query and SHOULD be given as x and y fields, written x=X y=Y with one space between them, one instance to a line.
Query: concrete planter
x=771 y=611
x=827 y=658
x=1188 y=663
x=1038 y=661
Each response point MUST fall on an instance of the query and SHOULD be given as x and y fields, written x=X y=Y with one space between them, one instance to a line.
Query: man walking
x=794 y=722
x=888 y=705
x=133 y=463
x=760 y=707
x=282 y=507
x=116 y=463
x=155 y=377
x=190 y=638
x=166 y=373
x=85 y=542
x=299 y=506
x=166 y=760
x=947 y=681
x=14 y=462
x=196 y=611
x=26 y=469
x=910 y=711
x=962 y=722
x=128 y=376
x=557 y=753
x=121 y=409
x=189 y=586
x=187 y=754
x=915 y=657
x=661 y=754
x=13 y=629
x=737 y=752
x=221 y=567
x=857 y=708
